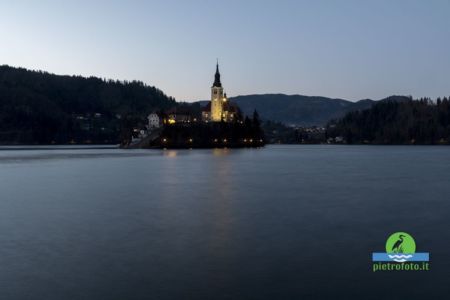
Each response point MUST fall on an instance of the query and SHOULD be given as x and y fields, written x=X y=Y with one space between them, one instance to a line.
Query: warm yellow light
x=190 y=140
x=224 y=140
x=171 y=121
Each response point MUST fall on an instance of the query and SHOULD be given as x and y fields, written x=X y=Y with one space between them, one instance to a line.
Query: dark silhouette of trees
x=421 y=121
x=42 y=108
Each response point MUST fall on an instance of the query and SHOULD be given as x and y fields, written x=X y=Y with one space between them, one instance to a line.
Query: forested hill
x=38 y=107
x=298 y=109
x=392 y=122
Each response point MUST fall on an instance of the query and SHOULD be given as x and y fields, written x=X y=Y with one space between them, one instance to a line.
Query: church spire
x=217 y=82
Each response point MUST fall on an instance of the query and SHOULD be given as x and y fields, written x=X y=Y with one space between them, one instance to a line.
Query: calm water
x=284 y=222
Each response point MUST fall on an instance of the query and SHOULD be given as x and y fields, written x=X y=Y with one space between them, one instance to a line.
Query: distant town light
x=224 y=140
x=164 y=140
x=191 y=140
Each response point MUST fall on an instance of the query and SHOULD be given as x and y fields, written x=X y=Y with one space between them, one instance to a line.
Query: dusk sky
x=340 y=49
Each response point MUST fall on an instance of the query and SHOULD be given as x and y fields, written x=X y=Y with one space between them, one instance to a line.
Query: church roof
x=217 y=82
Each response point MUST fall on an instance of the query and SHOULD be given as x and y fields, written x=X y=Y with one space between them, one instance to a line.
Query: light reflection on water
x=170 y=153
x=221 y=151
x=283 y=222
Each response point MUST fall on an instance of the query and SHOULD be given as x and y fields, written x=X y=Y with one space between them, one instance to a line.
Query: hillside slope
x=39 y=108
x=298 y=109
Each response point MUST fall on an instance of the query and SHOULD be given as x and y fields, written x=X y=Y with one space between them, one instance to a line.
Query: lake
x=282 y=222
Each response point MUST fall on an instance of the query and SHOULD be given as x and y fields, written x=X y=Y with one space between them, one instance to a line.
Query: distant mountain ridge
x=300 y=110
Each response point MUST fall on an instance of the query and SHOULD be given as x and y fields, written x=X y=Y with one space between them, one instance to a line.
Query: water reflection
x=221 y=151
x=222 y=207
x=219 y=223
x=170 y=153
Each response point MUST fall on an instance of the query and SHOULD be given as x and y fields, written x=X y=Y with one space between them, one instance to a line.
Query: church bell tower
x=217 y=97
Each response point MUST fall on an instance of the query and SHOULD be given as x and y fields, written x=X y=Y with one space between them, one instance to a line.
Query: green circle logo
x=401 y=242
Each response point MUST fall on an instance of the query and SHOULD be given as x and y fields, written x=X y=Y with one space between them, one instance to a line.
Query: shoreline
x=117 y=146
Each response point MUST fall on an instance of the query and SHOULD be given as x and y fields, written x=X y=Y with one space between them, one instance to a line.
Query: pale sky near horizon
x=342 y=49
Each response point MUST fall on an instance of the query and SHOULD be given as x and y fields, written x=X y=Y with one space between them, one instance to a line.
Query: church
x=219 y=109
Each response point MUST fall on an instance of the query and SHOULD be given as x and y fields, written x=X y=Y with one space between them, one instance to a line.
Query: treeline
x=421 y=121
x=278 y=133
x=41 y=108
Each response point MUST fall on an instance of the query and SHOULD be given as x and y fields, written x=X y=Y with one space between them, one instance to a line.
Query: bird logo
x=400 y=249
x=400 y=246
x=397 y=247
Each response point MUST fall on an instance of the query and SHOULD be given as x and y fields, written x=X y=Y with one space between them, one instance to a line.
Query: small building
x=175 y=115
x=206 y=113
x=339 y=139
x=154 y=121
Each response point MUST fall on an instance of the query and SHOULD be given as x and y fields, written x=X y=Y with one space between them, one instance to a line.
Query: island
x=218 y=124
